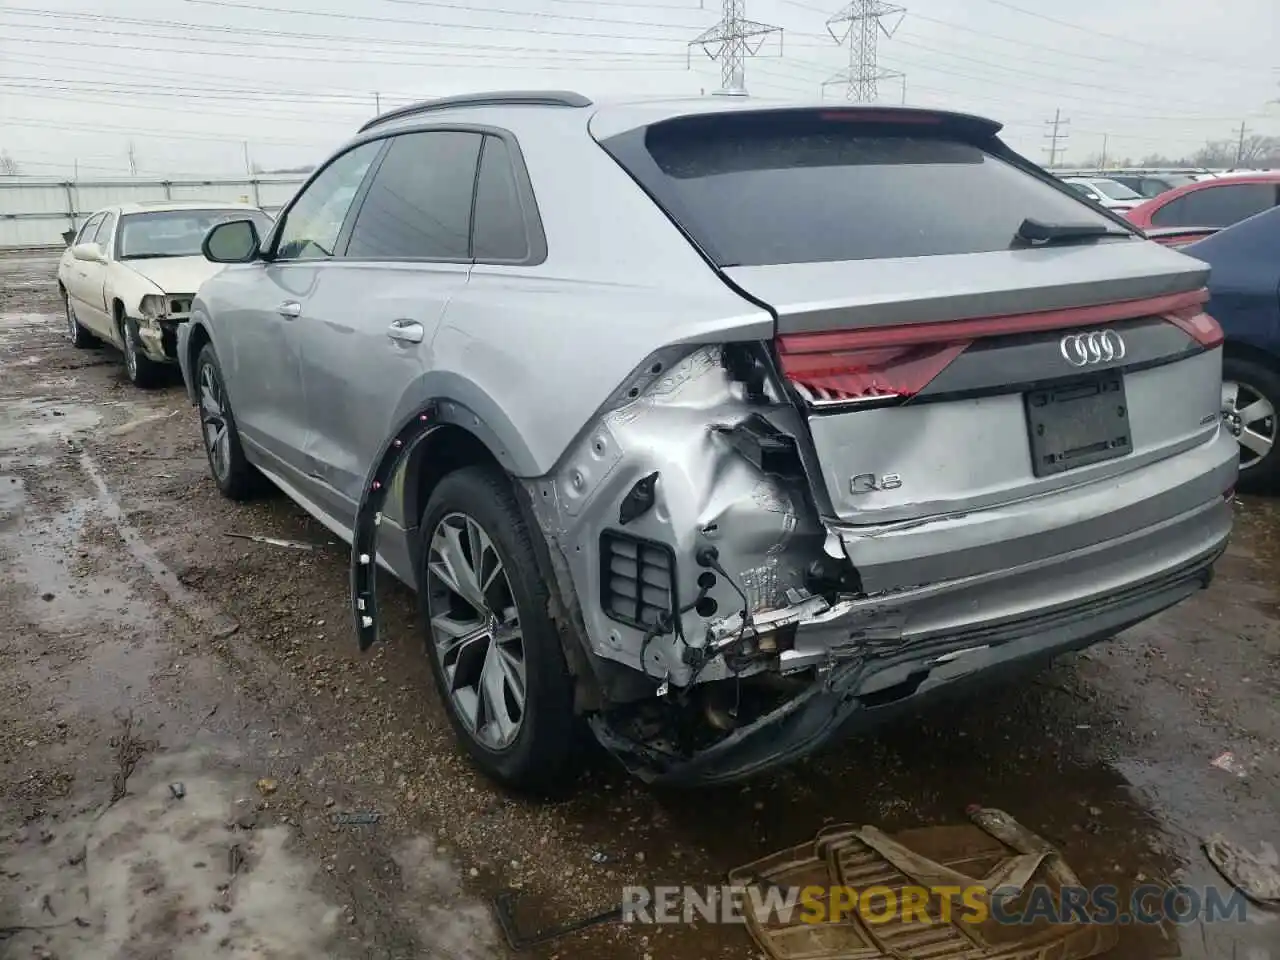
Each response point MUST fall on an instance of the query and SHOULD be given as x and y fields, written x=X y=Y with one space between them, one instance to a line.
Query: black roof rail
x=525 y=98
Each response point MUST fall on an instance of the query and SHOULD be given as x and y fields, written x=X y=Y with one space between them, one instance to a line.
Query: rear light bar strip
x=840 y=367
x=953 y=331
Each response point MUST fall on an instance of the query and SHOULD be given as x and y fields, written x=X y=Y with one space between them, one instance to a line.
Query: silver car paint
x=598 y=367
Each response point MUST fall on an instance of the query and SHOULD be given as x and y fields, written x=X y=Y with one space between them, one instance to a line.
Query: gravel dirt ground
x=189 y=738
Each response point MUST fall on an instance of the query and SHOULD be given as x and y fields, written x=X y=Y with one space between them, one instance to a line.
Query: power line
x=1054 y=138
x=1166 y=51
x=863 y=22
x=731 y=41
x=427 y=23
x=363 y=41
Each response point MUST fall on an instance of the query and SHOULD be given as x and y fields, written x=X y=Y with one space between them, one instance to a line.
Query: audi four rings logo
x=1096 y=346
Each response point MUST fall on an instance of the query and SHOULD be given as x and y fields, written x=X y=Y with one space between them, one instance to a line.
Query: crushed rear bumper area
x=894 y=674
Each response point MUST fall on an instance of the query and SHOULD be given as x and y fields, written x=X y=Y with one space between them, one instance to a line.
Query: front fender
x=129 y=288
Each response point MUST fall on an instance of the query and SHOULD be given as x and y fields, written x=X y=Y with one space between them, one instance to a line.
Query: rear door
x=368 y=322
x=945 y=365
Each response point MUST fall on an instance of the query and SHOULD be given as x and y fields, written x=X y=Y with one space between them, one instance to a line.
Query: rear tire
x=80 y=338
x=1251 y=405
x=235 y=476
x=142 y=370
x=496 y=658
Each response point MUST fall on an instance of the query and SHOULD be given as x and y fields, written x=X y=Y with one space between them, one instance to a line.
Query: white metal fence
x=35 y=212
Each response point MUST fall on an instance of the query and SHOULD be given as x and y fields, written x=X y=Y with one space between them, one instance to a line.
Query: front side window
x=105 y=231
x=419 y=203
x=312 y=225
x=176 y=233
x=90 y=228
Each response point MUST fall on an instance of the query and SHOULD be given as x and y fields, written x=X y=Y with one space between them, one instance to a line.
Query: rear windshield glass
x=752 y=190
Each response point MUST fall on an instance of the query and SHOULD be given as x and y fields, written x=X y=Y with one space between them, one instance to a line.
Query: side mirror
x=69 y=237
x=89 y=253
x=232 y=241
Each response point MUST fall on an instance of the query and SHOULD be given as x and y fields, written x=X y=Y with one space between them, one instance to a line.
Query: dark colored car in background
x=1244 y=287
x=1210 y=203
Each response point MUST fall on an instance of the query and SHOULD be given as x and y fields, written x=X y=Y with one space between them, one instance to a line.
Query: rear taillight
x=844 y=366
x=1198 y=325
x=829 y=372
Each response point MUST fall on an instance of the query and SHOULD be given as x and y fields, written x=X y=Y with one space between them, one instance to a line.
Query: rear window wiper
x=1040 y=231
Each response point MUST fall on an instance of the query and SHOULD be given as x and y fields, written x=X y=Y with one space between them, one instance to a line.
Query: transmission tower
x=731 y=41
x=863 y=22
x=1056 y=137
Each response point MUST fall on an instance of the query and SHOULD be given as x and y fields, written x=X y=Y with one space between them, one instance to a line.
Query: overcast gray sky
x=190 y=82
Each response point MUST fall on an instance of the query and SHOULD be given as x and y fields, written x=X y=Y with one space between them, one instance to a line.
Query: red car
x=1209 y=203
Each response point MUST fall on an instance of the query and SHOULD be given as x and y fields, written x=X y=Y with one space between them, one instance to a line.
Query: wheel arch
x=197 y=337
x=449 y=436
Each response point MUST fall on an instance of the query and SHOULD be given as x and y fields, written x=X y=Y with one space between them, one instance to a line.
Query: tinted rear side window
x=1217 y=206
x=419 y=204
x=771 y=190
x=499 y=219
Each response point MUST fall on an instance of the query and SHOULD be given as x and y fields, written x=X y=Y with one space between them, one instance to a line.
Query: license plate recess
x=1076 y=423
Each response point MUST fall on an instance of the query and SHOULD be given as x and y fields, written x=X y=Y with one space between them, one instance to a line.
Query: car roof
x=157 y=206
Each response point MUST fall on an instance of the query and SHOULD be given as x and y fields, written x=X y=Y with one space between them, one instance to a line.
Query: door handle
x=290 y=309
x=406 y=331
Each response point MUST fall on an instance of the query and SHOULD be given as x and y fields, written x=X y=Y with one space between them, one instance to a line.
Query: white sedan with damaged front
x=130 y=273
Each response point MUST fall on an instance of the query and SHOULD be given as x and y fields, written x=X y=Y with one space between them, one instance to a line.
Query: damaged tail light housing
x=832 y=368
x=1198 y=325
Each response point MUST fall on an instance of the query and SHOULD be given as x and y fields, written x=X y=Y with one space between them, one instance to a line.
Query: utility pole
x=1103 y=164
x=377 y=103
x=1054 y=138
x=133 y=160
x=731 y=41
x=248 y=166
x=862 y=22
x=1240 y=145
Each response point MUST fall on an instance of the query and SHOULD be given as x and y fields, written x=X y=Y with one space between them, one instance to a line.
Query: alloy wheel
x=475 y=629
x=213 y=421
x=1251 y=417
x=72 y=331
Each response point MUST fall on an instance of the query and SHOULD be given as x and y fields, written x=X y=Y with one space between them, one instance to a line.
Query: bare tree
x=8 y=166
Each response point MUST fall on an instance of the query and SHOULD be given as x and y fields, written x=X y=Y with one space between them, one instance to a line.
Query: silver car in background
x=718 y=427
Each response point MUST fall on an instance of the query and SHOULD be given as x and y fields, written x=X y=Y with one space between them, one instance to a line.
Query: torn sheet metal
x=993 y=851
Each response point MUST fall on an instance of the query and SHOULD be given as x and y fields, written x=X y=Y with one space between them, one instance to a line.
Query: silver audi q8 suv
x=717 y=426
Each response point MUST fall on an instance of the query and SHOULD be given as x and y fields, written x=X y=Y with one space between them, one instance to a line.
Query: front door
x=369 y=322
x=264 y=304
x=76 y=276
